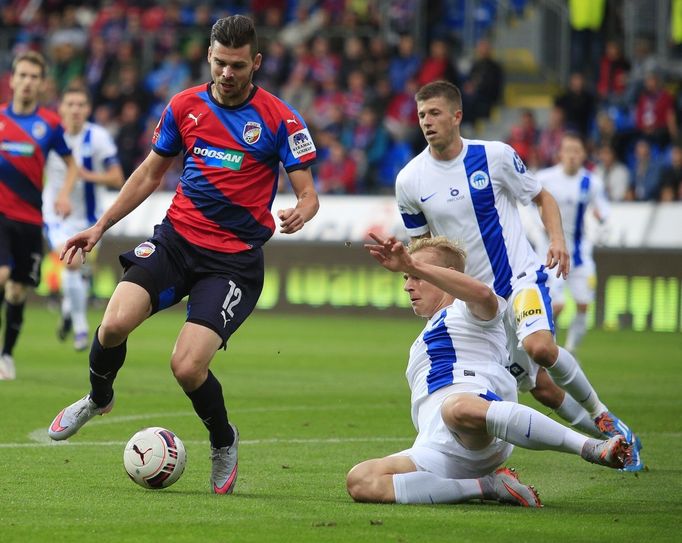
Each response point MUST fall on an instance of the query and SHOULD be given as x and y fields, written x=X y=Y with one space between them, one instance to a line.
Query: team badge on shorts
x=145 y=249
x=479 y=180
x=252 y=131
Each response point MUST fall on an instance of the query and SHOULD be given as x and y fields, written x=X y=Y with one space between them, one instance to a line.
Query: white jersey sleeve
x=408 y=198
x=516 y=177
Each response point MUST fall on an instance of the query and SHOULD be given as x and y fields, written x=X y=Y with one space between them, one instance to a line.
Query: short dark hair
x=437 y=89
x=575 y=136
x=235 y=31
x=34 y=58
x=75 y=88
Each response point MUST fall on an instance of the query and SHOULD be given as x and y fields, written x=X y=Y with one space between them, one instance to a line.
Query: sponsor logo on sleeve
x=518 y=163
x=252 y=131
x=301 y=143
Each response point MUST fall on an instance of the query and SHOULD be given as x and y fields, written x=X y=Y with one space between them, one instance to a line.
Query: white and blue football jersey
x=456 y=346
x=93 y=149
x=575 y=194
x=472 y=199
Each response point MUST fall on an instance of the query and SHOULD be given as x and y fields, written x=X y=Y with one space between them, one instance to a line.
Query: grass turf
x=312 y=396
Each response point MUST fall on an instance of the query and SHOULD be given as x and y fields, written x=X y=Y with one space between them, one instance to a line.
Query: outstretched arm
x=557 y=254
x=393 y=256
x=142 y=182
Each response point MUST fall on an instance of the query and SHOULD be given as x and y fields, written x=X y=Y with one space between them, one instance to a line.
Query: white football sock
x=576 y=331
x=524 y=426
x=573 y=413
x=567 y=373
x=76 y=292
x=425 y=487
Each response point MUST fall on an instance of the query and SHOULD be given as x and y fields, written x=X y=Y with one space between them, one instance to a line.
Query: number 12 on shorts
x=234 y=296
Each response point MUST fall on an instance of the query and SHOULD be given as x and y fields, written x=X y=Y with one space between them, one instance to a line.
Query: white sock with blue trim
x=524 y=426
x=425 y=487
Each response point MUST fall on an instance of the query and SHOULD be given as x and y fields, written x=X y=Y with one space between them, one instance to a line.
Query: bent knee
x=541 y=347
x=461 y=412
x=364 y=485
x=113 y=331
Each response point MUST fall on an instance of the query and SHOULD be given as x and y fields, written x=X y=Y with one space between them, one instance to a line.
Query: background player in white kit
x=96 y=156
x=463 y=398
x=577 y=192
x=467 y=190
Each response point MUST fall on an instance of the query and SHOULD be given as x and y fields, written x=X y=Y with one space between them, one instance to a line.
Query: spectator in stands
x=337 y=173
x=606 y=132
x=405 y=64
x=128 y=137
x=614 y=173
x=643 y=62
x=671 y=176
x=401 y=114
x=646 y=177
x=523 y=136
x=485 y=82
x=438 y=65
x=613 y=72
x=586 y=18
x=578 y=104
x=354 y=57
x=655 y=117
x=275 y=68
x=367 y=141
x=550 y=138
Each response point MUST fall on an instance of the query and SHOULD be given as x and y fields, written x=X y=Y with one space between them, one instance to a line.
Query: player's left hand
x=558 y=257
x=62 y=205
x=290 y=220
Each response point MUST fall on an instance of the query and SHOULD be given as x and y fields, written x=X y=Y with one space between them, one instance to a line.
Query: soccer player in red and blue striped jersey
x=233 y=136
x=27 y=133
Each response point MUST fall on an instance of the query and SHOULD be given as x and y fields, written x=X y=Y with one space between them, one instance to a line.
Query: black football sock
x=15 y=318
x=104 y=365
x=209 y=404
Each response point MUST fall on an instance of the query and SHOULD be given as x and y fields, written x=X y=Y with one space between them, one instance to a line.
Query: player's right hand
x=83 y=241
x=390 y=253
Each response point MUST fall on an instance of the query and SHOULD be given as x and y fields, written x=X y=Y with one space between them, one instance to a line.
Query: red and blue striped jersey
x=25 y=141
x=231 y=158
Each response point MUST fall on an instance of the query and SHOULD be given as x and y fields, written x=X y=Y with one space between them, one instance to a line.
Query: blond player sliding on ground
x=463 y=398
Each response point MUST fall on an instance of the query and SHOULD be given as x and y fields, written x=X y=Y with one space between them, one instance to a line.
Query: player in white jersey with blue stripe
x=96 y=155
x=468 y=190
x=577 y=192
x=463 y=398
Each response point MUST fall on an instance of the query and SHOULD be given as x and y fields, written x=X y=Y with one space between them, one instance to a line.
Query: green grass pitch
x=312 y=396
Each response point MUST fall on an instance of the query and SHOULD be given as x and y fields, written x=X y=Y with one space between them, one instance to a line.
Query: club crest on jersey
x=301 y=143
x=252 y=131
x=38 y=130
x=479 y=180
x=518 y=163
x=145 y=249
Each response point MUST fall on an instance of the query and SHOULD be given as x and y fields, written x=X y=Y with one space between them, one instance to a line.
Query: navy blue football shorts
x=223 y=288
x=21 y=248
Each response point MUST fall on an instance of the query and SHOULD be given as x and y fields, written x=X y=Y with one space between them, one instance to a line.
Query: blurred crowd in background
x=351 y=68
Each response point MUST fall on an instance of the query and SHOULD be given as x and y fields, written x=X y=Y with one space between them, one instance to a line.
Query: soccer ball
x=154 y=457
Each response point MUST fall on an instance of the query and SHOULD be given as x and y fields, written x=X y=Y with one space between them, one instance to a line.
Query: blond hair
x=451 y=253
